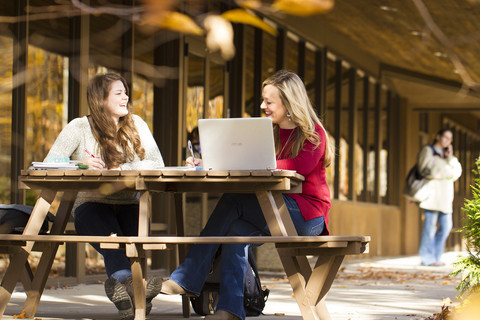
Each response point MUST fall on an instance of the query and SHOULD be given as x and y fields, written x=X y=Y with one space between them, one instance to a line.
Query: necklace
x=286 y=142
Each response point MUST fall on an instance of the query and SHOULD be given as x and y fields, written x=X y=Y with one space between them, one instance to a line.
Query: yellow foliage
x=175 y=21
x=469 y=309
x=249 y=4
x=303 y=7
x=243 y=16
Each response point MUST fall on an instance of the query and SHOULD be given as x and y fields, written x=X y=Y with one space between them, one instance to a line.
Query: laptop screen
x=237 y=144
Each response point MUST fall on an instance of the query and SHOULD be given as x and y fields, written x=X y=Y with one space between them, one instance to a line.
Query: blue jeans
x=100 y=219
x=234 y=215
x=433 y=240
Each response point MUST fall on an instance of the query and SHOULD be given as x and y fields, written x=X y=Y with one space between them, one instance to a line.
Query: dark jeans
x=100 y=219
x=234 y=215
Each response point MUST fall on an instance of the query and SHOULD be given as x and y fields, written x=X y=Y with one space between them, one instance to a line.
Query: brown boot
x=222 y=315
x=171 y=287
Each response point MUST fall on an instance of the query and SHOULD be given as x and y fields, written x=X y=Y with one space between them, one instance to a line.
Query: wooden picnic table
x=59 y=189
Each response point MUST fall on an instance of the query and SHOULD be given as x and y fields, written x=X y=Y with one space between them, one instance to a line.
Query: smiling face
x=117 y=100
x=274 y=108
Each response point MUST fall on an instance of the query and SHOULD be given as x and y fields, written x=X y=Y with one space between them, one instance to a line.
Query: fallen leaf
x=19 y=316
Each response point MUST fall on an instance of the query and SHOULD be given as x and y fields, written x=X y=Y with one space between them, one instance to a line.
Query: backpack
x=254 y=297
x=416 y=189
x=14 y=218
x=416 y=183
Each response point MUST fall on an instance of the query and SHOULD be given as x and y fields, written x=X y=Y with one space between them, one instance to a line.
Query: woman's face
x=274 y=108
x=445 y=139
x=116 y=103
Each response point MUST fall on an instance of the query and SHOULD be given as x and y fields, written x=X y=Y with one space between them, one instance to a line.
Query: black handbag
x=254 y=297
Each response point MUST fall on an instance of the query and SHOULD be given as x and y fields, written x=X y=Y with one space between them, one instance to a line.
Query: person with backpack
x=302 y=144
x=442 y=168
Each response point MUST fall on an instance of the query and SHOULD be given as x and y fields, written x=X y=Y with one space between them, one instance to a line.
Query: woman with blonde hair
x=301 y=144
x=110 y=138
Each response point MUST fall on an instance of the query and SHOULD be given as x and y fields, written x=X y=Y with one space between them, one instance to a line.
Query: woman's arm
x=308 y=157
x=446 y=168
x=67 y=141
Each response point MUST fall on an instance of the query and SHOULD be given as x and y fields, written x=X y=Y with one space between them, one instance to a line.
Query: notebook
x=237 y=144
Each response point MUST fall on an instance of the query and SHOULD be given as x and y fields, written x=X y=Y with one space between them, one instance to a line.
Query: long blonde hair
x=295 y=98
x=117 y=143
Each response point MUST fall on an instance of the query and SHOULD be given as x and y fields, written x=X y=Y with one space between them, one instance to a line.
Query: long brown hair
x=295 y=98
x=117 y=143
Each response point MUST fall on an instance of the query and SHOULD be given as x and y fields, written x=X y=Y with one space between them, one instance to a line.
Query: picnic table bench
x=59 y=189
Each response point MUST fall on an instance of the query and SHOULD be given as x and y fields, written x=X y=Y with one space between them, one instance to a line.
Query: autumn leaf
x=19 y=316
x=303 y=7
x=174 y=21
x=245 y=17
x=249 y=4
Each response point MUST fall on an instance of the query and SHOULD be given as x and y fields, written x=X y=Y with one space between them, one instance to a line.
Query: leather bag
x=416 y=185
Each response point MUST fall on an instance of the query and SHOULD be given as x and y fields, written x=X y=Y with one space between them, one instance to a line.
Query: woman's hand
x=191 y=163
x=448 y=152
x=94 y=163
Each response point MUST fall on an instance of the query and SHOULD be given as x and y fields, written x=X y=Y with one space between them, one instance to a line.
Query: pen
x=88 y=152
x=191 y=151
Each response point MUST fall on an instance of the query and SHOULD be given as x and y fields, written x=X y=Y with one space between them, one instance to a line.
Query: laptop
x=237 y=144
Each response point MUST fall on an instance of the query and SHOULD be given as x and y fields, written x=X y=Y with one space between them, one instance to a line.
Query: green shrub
x=469 y=266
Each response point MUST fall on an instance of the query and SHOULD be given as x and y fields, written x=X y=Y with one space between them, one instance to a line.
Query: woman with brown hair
x=110 y=138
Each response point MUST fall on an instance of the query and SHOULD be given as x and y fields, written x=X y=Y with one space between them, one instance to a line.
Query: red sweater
x=314 y=201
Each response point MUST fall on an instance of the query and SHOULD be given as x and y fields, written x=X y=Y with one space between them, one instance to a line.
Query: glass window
x=329 y=120
x=195 y=96
x=291 y=53
x=384 y=145
x=360 y=144
x=46 y=103
x=345 y=144
x=6 y=58
x=310 y=72
x=371 y=160
x=249 y=70
x=268 y=55
x=141 y=96
x=216 y=100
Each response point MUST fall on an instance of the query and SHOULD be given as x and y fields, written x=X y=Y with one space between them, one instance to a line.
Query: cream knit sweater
x=77 y=136
x=443 y=173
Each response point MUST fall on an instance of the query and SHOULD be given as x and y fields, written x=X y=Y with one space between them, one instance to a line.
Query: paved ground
x=384 y=288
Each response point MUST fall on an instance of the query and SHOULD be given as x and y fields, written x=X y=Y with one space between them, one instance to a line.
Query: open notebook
x=237 y=144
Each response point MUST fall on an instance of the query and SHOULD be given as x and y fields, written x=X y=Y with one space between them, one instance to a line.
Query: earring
x=289 y=116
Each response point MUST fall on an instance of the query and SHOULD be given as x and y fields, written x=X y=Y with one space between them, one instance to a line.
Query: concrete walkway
x=383 y=288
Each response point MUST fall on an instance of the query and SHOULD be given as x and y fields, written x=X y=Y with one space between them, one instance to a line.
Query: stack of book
x=71 y=165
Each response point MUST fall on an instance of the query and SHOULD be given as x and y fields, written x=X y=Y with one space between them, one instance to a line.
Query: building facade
x=377 y=113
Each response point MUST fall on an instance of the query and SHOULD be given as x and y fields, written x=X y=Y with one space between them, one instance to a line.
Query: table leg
x=18 y=261
x=137 y=257
x=276 y=214
x=310 y=287
x=182 y=249
x=39 y=280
